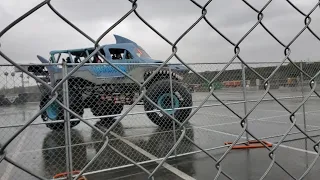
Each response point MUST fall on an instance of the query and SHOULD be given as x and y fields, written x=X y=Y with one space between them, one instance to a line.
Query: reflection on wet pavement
x=54 y=152
x=43 y=151
x=154 y=146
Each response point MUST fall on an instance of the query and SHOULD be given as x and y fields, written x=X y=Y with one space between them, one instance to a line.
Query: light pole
x=14 y=86
x=6 y=85
x=28 y=77
x=22 y=82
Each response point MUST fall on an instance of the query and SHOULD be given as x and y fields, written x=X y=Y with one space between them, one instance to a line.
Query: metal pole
x=303 y=106
x=67 y=123
x=245 y=96
x=172 y=107
x=22 y=83
x=14 y=85
x=6 y=84
x=245 y=111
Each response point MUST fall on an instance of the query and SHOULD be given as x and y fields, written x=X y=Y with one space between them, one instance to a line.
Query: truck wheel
x=55 y=112
x=104 y=107
x=160 y=93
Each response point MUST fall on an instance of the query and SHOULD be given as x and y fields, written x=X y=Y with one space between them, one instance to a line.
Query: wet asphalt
x=136 y=137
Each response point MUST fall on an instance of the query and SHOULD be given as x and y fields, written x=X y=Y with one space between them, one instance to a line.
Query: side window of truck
x=119 y=54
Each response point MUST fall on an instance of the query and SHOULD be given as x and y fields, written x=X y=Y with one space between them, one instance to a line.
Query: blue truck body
x=139 y=58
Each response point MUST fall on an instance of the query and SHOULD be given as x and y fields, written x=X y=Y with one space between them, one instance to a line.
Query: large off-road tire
x=104 y=107
x=160 y=94
x=56 y=112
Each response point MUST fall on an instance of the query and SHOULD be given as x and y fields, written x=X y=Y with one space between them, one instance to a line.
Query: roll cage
x=110 y=52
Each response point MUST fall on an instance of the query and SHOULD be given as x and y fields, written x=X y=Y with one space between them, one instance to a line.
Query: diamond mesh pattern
x=92 y=122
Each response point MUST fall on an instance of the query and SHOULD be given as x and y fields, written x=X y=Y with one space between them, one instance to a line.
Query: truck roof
x=119 y=40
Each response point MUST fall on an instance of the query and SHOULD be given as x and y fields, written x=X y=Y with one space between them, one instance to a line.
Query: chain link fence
x=109 y=107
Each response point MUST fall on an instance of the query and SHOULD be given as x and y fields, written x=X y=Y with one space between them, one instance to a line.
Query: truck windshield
x=142 y=53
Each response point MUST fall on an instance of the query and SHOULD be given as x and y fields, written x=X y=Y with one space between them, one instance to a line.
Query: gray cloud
x=43 y=31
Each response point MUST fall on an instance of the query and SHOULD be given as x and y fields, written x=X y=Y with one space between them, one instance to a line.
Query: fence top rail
x=195 y=63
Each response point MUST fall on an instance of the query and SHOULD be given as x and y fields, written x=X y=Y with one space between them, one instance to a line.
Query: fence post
x=172 y=107
x=303 y=106
x=67 y=122
x=244 y=90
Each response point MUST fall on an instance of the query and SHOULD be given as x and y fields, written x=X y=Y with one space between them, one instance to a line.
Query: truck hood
x=175 y=67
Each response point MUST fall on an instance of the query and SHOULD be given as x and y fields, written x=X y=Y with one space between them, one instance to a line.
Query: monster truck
x=105 y=90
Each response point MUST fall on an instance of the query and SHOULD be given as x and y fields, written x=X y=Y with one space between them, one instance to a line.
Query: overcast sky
x=43 y=31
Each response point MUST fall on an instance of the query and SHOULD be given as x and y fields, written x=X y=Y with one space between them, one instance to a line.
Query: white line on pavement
x=281 y=145
x=152 y=157
x=6 y=175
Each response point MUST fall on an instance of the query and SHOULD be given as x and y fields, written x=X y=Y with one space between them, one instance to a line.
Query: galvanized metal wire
x=182 y=127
